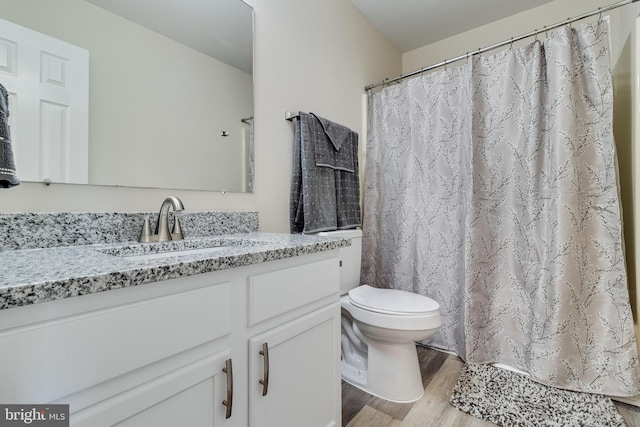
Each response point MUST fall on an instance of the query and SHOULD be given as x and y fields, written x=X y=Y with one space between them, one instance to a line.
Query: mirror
x=170 y=92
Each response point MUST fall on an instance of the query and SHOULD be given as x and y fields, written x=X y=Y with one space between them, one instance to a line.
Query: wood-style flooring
x=440 y=373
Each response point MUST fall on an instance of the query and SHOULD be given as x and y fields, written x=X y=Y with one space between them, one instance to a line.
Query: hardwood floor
x=440 y=373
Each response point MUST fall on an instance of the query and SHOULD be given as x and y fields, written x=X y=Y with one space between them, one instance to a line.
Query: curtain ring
x=537 y=32
x=511 y=44
x=445 y=64
x=599 y=14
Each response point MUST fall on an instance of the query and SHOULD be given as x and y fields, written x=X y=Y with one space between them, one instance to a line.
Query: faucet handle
x=176 y=233
x=145 y=234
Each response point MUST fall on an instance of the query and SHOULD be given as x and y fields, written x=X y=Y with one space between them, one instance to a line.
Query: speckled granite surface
x=31 y=276
x=44 y=230
x=49 y=256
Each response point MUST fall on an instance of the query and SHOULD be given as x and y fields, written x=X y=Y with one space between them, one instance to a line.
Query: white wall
x=310 y=56
x=622 y=25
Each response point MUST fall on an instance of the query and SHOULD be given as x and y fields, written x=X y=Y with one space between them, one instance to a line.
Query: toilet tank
x=350 y=258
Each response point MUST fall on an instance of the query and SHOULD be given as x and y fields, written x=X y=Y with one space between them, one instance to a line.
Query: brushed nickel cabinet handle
x=228 y=369
x=265 y=380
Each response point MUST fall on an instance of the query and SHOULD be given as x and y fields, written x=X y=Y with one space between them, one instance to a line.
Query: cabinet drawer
x=53 y=359
x=278 y=292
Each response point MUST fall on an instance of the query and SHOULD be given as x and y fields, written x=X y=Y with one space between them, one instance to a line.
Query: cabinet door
x=294 y=372
x=188 y=396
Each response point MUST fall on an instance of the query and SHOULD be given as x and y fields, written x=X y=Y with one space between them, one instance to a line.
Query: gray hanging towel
x=335 y=151
x=325 y=191
x=8 y=177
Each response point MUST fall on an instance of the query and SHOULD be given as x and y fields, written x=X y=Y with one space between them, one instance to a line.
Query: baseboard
x=633 y=401
x=442 y=350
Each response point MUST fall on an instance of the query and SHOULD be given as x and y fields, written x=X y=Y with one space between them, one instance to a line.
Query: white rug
x=510 y=399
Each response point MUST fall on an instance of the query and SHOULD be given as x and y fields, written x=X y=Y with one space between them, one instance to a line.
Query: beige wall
x=622 y=25
x=622 y=21
x=310 y=56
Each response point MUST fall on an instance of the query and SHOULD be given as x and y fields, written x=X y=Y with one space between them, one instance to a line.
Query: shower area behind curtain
x=492 y=189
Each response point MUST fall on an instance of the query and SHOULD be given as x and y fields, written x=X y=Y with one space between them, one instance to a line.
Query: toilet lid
x=391 y=301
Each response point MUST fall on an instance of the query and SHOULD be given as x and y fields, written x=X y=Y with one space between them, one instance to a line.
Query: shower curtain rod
x=501 y=44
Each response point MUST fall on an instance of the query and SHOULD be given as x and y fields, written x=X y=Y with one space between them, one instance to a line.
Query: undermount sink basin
x=178 y=248
x=183 y=252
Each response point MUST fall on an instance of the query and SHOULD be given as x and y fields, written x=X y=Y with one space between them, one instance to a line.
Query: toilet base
x=354 y=376
x=395 y=372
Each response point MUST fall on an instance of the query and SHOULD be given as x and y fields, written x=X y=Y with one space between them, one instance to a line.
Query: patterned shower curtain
x=492 y=189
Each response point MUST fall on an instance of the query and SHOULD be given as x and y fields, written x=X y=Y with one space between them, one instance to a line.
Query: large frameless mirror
x=143 y=93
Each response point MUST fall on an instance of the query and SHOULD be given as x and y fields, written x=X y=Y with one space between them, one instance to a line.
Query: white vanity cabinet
x=127 y=355
x=186 y=351
x=294 y=367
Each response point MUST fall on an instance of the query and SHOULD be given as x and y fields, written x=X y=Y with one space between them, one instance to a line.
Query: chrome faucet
x=162 y=226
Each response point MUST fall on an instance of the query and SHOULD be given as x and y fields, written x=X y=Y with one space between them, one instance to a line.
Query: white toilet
x=379 y=330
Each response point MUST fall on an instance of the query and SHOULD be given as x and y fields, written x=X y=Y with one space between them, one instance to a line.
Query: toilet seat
x=400 y=322
x=392 y=301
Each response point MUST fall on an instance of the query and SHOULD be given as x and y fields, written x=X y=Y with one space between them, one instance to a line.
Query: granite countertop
x=32 y=276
